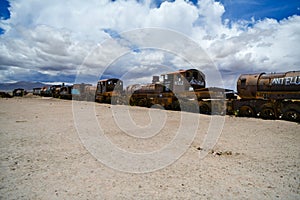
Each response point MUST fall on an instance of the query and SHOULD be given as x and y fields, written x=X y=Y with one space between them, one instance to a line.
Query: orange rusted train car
x=109 y=91
x=174 y=90
x=274 y=95
x=269 y=96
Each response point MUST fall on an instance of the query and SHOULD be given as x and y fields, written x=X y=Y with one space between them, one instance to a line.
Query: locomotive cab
x=108 y=88
x=183 y=80
x=109 y=85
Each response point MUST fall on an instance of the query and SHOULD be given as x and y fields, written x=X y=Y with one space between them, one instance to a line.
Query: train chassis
x=268 y=109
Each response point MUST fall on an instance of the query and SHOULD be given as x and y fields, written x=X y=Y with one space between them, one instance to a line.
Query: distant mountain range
x=21 y=84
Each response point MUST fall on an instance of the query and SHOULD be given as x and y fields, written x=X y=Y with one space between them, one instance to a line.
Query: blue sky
x=235 y=9
x=49 y=39
x=259 y=9
x=4 y=12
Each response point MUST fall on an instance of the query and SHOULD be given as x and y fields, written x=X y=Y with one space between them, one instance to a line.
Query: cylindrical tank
x=150 y=88
x=289 y=81
x=247 y=85
x=269 y=86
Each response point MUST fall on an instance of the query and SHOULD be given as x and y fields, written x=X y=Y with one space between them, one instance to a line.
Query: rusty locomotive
x=175 y=89
x=183 y=90
x=272 y=95
x=107 y=89
x=269 y=96
x=82 y=91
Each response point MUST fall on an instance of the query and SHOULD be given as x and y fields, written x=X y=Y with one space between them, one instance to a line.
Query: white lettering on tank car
x=292 y=80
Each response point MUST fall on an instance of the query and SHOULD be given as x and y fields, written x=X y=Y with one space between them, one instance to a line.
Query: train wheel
x=132 y=101
x=267 y=113
x=204 y=109
x=142 y=102
x=246 y=111
x=175 y=106
x=291 y=115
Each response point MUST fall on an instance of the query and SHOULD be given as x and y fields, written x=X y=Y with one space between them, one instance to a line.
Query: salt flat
x=46 y=153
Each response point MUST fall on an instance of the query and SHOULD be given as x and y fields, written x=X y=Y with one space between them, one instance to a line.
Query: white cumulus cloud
x=52 y=38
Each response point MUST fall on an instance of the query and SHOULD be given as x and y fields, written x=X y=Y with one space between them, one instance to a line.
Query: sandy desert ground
x=43 y=154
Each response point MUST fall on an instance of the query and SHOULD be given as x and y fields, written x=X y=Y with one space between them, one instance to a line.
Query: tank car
x=271 y=95
x=269 y=86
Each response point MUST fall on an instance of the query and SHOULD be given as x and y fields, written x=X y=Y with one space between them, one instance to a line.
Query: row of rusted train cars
x=269 y=96
x=84 y=92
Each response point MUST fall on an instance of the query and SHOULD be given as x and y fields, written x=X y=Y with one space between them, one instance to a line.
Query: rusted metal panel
x=150 y=88
x=269 y=86
x=215 y=93
x=247 y=85
x=279 y=86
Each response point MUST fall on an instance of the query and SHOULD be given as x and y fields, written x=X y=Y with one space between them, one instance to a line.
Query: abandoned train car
x=271 y=95
x=107 y=89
